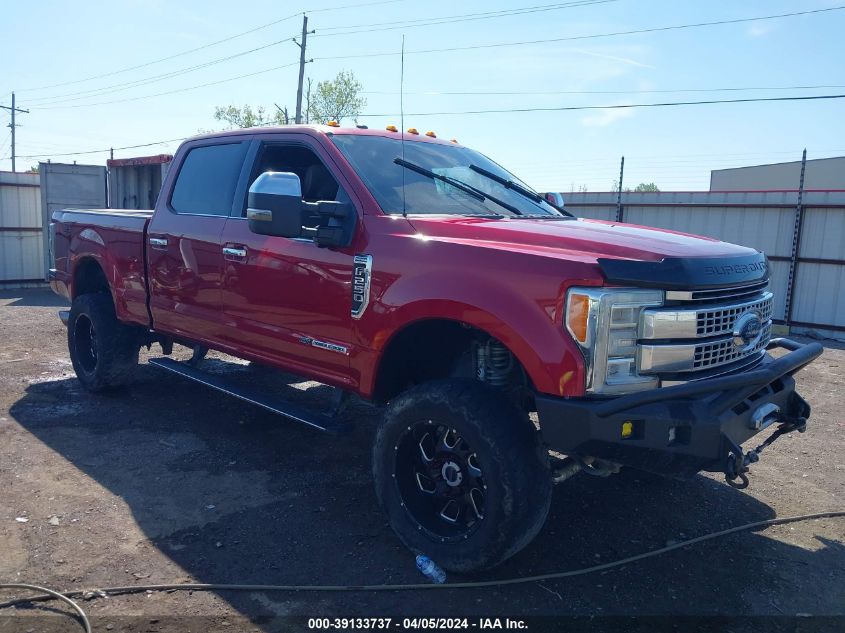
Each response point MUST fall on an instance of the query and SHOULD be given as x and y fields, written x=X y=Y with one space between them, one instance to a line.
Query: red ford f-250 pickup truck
x=423 y=275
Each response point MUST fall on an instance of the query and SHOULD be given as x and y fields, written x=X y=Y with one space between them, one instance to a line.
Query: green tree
x=247 y=117
x=336 y=99
x=646 y=186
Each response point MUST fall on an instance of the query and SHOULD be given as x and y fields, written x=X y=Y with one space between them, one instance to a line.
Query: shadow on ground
x=232 y=494
x=32 y=298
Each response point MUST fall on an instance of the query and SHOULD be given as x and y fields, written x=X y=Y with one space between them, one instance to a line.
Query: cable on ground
x=66 y=596
x=49 y=594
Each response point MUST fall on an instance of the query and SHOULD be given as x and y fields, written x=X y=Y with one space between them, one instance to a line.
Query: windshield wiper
x=510 y=184
x=457 y=184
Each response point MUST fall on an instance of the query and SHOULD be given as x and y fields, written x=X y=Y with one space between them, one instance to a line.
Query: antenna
x=402 y=121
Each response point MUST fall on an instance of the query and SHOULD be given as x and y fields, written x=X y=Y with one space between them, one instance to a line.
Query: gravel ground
x=168 y=482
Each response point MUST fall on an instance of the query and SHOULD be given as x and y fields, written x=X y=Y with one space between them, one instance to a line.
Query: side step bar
x=253 y=396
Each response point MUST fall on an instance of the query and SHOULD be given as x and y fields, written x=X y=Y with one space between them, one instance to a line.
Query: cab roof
x=323 y=130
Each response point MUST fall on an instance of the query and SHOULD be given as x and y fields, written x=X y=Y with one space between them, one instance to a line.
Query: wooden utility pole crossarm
x=14 y=109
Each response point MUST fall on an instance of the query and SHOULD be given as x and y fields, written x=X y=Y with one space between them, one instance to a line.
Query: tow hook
x=571 y=466
x=738 y=462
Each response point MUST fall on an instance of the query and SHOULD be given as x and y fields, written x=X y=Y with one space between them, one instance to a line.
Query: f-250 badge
x=362 y=268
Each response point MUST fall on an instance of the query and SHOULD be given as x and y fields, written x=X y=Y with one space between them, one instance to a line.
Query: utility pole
x=302 y=62
x=12 y=125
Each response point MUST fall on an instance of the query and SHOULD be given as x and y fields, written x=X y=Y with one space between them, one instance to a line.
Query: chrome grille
x=724 y=351
x=718 y=294
x=720 y=320
x=692 y=338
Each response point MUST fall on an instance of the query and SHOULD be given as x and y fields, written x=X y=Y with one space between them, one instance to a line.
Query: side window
x=316 y=180
x=207 y=179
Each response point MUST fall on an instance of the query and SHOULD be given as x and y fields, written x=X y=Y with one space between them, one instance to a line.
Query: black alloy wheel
x=462 y=473
x=440 y=480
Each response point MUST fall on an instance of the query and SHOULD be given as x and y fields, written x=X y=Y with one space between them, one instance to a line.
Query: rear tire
x=104 y=351
x=461 y=473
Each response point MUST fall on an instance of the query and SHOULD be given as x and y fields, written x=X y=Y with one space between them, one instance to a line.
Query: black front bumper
x=686 y=428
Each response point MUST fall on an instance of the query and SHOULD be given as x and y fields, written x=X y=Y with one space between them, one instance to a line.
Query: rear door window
x=207 y=179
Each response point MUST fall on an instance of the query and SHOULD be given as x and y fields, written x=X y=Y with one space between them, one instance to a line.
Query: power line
x=451 y=19
x=108 y=149
x=585 y=37
x=636 y=161
x=5 y=141
x=210 y=44
x=602 y=92
x=640 y=157
x=168 y=92
x=97 y=92
x=119 y=87
x=126 y=85
x=616 y=107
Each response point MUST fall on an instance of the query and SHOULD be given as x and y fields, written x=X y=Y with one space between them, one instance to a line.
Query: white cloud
x=603 y=118
x=623 y=60
x=759 y=29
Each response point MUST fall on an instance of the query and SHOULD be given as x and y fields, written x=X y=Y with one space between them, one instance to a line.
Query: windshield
x=374 y=159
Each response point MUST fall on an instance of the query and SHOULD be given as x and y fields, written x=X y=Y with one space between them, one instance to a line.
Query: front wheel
x=104 y=351
x=461 y=473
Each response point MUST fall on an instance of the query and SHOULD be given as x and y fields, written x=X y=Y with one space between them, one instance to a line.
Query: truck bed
x=113 y=238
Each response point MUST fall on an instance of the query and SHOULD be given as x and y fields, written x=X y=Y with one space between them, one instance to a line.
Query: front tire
x=104 y=351
x=461 y=473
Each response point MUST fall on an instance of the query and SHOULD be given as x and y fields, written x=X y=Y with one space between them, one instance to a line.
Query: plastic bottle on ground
x=430 y=570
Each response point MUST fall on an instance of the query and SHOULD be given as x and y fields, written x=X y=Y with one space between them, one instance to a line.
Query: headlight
x=605 y=323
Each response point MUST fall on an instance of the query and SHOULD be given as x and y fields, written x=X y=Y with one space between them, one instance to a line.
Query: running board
x=253 y=396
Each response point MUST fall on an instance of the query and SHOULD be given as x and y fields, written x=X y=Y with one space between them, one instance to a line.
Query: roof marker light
x=431 y=134
x=333 y=124
x=413 y=130
x=454 y=140
x=392 y=128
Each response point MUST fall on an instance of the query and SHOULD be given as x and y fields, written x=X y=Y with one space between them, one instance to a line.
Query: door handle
x=234 y=252
x=158 y=243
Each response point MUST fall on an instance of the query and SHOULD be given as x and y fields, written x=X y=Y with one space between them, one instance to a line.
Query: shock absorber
x=494 y=363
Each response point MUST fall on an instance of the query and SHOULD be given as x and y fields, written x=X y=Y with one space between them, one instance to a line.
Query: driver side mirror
x=275 y=207
x=556 y=200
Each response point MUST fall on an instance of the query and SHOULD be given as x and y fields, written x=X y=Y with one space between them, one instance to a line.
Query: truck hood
x=576 y=239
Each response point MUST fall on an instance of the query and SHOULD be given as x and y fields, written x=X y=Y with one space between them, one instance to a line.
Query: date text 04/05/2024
x=416 y=623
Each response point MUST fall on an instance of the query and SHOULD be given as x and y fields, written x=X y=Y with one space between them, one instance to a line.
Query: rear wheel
x=104 y=351
x=461 y=473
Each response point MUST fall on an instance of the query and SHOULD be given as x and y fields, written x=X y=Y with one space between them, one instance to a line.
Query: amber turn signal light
x=577 y=316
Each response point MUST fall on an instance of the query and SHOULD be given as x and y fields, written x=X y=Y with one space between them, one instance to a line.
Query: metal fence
x=803 y=235
x=21 y=247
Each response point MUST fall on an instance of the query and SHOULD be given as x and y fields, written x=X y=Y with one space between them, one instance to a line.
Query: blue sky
x=47 y=43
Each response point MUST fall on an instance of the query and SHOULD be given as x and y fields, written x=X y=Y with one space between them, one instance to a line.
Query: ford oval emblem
x=747 y=330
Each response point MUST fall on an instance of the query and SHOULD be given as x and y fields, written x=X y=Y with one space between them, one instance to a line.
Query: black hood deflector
x=686 y=273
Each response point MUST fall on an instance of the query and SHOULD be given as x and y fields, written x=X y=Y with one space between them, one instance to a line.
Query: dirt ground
x=169 y=482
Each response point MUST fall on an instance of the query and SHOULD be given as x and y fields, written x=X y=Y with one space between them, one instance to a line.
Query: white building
x=821 y=173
